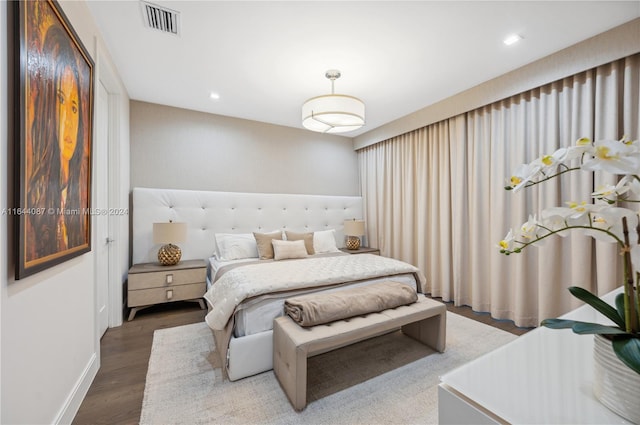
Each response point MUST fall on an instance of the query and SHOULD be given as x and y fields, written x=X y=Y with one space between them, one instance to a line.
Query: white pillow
x=288 y=249
x=235 y=246
x=325 y=241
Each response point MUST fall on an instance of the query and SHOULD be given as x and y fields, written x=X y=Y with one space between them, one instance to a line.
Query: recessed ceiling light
x=214 y=96
x=513 y=38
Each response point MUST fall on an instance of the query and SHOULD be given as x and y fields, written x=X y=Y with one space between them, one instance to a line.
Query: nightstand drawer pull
x=169 y=294
x=169 y=279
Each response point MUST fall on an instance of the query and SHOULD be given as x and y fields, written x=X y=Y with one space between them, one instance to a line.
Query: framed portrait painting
x=55 y=74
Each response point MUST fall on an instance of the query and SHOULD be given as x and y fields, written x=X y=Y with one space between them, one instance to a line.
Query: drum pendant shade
x=333 y=113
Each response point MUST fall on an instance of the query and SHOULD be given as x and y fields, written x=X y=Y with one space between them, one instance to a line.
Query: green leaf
x=598 y=304
x=557 y=323
x=628 y=351
x=584 y=328
x=620 y=304
x=560 y=323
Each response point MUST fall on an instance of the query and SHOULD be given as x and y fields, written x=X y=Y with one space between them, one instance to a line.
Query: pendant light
x=333 y=113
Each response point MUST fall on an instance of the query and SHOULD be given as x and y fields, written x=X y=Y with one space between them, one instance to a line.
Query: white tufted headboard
x=207 y=213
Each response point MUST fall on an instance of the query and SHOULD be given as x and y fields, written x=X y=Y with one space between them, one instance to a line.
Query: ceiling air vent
x=160 y=18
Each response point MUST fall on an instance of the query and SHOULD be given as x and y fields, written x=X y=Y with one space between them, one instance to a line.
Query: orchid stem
x=629 y=298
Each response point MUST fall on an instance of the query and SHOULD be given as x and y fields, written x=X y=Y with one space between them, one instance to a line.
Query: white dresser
x=543 y=377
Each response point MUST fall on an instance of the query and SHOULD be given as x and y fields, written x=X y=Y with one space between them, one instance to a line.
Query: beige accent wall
x=182 y=149
x=616 y=43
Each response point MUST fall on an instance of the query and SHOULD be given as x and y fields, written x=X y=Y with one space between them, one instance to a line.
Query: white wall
x=49 y=348
x=182 y=149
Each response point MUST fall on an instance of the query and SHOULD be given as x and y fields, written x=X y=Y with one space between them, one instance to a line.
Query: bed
x=244 y=291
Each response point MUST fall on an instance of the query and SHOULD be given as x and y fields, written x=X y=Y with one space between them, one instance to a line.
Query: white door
x=100 y=214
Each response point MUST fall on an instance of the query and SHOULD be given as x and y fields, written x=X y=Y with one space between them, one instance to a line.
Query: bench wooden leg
x=430 y=331
x=290 y=367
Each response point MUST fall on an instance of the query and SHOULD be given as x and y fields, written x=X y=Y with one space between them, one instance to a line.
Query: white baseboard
x=74 y=400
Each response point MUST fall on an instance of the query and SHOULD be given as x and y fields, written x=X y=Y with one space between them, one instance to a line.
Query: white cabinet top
x=543 y=377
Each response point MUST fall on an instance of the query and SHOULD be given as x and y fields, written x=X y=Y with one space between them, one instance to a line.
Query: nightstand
x=152 y=283
x=361 y=250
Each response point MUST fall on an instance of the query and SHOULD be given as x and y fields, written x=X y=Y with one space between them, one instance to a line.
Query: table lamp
x=169 y=233
x=353 y=229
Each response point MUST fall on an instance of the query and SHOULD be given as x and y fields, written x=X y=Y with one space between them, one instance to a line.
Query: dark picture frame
x=55 y=76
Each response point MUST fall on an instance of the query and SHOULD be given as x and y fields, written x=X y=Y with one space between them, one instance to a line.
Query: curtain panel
x=435 y=197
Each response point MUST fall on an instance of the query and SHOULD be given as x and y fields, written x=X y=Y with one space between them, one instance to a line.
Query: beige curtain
x=435 y=197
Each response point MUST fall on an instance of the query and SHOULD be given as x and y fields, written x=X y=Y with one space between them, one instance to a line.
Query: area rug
x=391 y=379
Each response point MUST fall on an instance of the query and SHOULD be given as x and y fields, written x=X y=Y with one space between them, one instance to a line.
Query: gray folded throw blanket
x=319 y=308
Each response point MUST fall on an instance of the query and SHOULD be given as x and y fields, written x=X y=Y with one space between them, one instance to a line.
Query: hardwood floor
x=115 y=397
x=505 y=325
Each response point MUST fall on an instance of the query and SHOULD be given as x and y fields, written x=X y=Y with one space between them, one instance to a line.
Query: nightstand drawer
x=160 y=279
x=167 y=294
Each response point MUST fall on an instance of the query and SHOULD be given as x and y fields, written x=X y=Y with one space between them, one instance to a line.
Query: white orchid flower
x=610 y=220
x=635 y=144
x=581 y=209
x=522 y=175
x=609 y=192
x=562 y=212
x=604 y=191
x=600 y=219
x=506 y=244
x=576 y=214
x=582 y=146
x=554 y=219
x=529 y=229
x=614 y=157
x=548 y=164
x=631 y=183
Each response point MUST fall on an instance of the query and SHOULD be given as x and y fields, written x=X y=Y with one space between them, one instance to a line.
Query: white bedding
x=257 y=316
x=240 y=286
x=215 y=264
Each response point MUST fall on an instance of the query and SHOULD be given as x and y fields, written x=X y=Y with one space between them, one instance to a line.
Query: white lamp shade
x=169 y=232
x=354 y=227
x=333 y=113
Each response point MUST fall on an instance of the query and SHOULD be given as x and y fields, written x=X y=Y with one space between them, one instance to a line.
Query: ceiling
x=265 y=58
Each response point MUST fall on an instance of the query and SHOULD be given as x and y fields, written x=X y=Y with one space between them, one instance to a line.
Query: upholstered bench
x=424 y=320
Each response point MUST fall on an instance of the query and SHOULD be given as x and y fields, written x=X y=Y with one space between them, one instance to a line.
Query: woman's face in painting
x=68 y=114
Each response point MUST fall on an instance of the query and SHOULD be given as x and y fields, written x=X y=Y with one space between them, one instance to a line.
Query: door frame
x=102 y=226
x=107 y=76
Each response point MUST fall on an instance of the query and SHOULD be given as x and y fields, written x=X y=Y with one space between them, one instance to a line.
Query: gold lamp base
x=353 y=242
x=169 y=255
